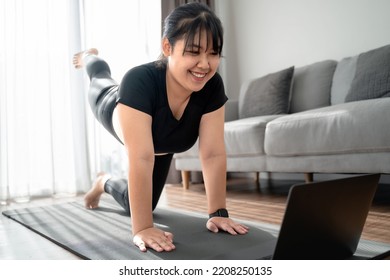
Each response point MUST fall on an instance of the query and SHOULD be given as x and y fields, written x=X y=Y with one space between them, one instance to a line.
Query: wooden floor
x=245 y=201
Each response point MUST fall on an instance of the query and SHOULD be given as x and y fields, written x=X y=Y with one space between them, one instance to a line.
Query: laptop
x=322 y=220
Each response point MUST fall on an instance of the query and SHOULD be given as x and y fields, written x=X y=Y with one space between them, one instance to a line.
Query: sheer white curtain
x=38 y=153
x=49 y=144
x=126 y=33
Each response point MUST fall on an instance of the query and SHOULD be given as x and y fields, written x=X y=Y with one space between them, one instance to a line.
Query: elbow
x=141 y=159
x=212 y=155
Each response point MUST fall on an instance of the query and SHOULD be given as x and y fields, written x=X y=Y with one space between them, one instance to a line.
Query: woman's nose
x=203 y=61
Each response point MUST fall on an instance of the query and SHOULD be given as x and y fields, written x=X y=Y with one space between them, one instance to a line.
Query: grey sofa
x=326 y=117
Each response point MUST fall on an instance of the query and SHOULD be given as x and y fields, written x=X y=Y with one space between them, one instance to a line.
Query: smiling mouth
x=198 y=75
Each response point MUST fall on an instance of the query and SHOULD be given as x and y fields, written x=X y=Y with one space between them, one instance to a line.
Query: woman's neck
x=177 y=96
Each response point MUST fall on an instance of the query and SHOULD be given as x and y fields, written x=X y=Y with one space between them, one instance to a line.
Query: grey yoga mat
x=105 y=232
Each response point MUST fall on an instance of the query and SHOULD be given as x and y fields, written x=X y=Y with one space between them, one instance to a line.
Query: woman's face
x=189 y=69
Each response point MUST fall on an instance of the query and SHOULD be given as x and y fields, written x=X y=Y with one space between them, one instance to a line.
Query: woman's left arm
x=213 y=158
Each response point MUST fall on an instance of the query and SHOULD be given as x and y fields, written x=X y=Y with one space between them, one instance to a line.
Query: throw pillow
x=268 y=95
x=312 y=85
x=342 y=79
x=372 y=77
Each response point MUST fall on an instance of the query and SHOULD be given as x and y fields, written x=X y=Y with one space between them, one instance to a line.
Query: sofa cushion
x=311 y=86
x=372 y=78
x=246 y=136
x=268 y=95
x=354 y=127
x=342 y=79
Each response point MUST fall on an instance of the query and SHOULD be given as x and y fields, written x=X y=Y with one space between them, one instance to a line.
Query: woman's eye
x=193 y=52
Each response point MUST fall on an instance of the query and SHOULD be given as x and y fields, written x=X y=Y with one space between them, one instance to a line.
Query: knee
x=96 y=66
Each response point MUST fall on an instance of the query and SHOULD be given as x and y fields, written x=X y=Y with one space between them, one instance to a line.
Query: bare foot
x=79 y=57
x=92 y=197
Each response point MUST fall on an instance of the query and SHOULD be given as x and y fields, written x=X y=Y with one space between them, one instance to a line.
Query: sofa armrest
x=231 y=110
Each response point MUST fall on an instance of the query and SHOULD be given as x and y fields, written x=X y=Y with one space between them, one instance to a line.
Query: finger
x=230 y=230
x=162 y=246
x=233 y=228
x=227 y=226
x=238 y=228
x=142 y=246
x=169 y=235
x=167 y=244
x=155 y=246
x=244 y=226
x=211 y=226
x=241 y=229
x=139 y=243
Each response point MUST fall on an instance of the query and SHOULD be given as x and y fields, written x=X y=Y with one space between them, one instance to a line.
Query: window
x=49 y=142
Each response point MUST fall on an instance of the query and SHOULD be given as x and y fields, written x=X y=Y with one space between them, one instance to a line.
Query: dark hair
x=187 y=20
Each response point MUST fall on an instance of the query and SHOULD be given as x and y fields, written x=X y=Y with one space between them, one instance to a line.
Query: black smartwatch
x=220 y=213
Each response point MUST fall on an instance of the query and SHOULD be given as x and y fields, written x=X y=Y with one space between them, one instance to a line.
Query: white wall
x=263 y=36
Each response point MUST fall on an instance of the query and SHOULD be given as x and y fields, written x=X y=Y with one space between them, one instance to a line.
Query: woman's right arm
x=137 y=137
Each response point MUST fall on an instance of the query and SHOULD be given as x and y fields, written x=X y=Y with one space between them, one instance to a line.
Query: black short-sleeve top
x=144 y=88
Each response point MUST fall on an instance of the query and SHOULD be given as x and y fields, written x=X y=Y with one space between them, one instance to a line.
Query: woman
x=159 y=109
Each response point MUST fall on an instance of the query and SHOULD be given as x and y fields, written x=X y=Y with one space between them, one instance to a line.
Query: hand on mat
x=226 y=224
x=154 y=238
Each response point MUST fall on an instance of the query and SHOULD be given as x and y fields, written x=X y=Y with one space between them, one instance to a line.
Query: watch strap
x=220 y=213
